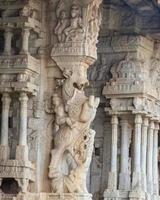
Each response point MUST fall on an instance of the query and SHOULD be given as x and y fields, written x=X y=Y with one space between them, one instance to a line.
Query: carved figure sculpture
x=75 y=29
x=74 y=112
x=73 y=143
x=61 y=25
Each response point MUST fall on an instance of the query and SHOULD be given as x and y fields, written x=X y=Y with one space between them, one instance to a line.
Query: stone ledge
x=17 y=169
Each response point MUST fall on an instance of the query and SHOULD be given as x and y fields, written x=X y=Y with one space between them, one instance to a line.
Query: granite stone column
x=25 y=40
x=136 y=176
x=4 y=147
x=155 y=161
x=7 y=41
x=112 y=181
x=150 y=158
x=22 y=149
x=124 y=177
x=144 y=152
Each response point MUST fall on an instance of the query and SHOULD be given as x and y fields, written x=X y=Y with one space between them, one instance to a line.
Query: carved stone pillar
x=155 y=161
x=73 y=51
x=144 y=152
x=112 y=180
x=8 y=39
x=150 y=158
x=22 y=149
x=4 y=148
x=25 y=40
x=136 y=179
x=124 y=177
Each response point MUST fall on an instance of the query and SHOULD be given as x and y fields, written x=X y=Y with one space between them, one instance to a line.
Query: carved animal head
x=77 y=76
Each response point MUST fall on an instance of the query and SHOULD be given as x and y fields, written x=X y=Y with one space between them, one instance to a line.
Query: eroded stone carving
x=77 y=23
x=73 y=142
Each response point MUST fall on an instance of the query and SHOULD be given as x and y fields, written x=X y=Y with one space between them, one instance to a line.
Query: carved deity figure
x=61 y=25
x=76 y=26
x=73 y=143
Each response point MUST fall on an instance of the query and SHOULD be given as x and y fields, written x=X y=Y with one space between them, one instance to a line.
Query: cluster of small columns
x=8 y=34
x=144 y=157
x=22 y=149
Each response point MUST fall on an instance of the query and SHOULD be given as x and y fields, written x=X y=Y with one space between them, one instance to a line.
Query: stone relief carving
x=76 y=24
x=100 y=71
x=73 y=143
x=76 y=31
x=69 y=24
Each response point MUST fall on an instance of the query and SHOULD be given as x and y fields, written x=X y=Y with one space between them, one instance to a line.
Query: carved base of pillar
x=22 y=153
x=4 y=152
x=51 y=196
x=144 y=182
x=115 y=194
x=24 y=52
x=155 y=189
x=136 y=182
x=112 y=181
x=65 y=196
x=137 y=195
x=150 y=187
x=124 y=181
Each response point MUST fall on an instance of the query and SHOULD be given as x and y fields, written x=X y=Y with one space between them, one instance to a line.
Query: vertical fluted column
x=150 y=158
x=112 y=182
x=144 y=152
x=22 y=149
x=124 y=177
x=7 y=41
x=4 y=149
x=155 y=160
x=136 y=179
x=25 y=40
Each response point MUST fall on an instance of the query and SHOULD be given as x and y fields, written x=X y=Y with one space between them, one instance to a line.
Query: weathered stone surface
x=49 y=109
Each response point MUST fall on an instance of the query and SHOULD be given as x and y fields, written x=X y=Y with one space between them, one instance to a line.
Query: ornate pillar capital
x=114 y=119
x=146 y=122
x=138 y=119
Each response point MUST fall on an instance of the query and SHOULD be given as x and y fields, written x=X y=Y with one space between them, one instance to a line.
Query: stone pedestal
x=137 y=195
x=115 y=194
x=65 y=196
x=124 y=181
